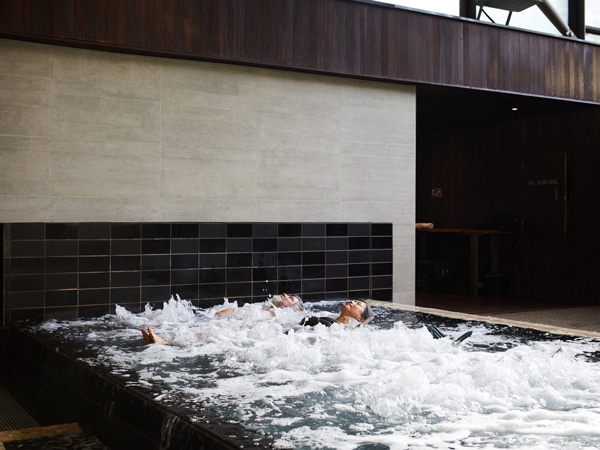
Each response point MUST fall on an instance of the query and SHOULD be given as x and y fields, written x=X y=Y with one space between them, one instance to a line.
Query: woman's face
x=354 y=309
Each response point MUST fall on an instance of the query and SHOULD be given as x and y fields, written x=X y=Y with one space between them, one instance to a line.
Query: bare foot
x=151 y=338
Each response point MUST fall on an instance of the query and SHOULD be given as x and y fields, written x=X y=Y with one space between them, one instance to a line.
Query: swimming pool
x=387 y=385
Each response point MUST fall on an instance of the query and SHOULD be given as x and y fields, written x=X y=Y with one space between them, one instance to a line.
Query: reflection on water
x=387 y=385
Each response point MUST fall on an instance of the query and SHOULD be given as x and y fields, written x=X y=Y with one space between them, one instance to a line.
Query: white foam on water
x=381 y=386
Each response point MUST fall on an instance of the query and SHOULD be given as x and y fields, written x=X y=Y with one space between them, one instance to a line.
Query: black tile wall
x=70 y=269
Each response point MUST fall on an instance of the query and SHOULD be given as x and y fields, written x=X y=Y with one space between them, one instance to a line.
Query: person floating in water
x=284 y=300
x=277 y=301
x=354 y=310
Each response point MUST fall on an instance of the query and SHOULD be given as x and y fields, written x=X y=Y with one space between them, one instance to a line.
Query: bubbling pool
x=389 y=385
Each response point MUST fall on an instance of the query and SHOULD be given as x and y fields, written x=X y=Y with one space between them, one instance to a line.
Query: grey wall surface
x=92 y=136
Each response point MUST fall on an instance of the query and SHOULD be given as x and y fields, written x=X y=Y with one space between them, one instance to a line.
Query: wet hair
x=367 y=314
x=277 y=301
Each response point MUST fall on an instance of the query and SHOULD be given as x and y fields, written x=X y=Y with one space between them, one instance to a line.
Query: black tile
x=61 y=281
x=184 y=246
x=289 y=244
x=123 y=279
x=184 y=261
x=289 y=229
x=212 y=291
x=313 y=229
x=125 y=247
x=213 y=230
x=293 y=286
x=98 y=247
x=213 y=245
x=336 y=243
x=313 y=286
x=384 y=295
x=309 y=258
x=94 y=296
x=156 y=293
x=213 y=260
x=289 y=273
x=124 y=262
x=186 y=292
x=26 y=282
x=382 y=269
x=32 y=314
x=212 y=276
x=156 y=231
x=381 y=229
x=94 y=280
x=336 y=229
x=61 y=248
x=27 y=231
x=239 y=245
x=32 y=299
x=359 y=294
x=264 y=230
x=121 y=295
x=154 y=262
x=358 y=256
x=313 y=243
x=61 y=313
x=336 y=285
x=156 y=247
x=264 y=274
x=93 y=310
x=184 y=277
x=94 y=264
x=358 y=283
x=94 y=230
x=313 y=272
x=156 y=277
x=61 y=298
x=358 y=270
x=62 y=231
x=239 y=274
x=239 y=260
x=239 y=290
x=125 y=231
x=26 y=265
x=382 y=255
x=264 y=259
x=359 y=243
x=60 y=265
x=359 y=229
x=264 y=245
x=239 y=230
x=26 y=248
x=290 y=259
x=336 y=271
x=383 y=282
x=378 y=243
x=337 y=257
x=184 y=230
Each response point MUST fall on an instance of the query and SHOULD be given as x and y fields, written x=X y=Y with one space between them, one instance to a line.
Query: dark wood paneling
x=480 y=169
x=327 y=36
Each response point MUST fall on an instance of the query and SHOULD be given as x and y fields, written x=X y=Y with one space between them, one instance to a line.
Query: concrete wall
x=92 y=136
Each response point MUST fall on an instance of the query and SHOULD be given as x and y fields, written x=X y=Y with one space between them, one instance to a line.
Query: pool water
x=389 y=385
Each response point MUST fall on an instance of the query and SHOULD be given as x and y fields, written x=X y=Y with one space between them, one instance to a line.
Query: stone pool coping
x=554 y=329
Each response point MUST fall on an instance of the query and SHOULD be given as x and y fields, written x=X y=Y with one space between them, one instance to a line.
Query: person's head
x=358 y=310
x=288 y=301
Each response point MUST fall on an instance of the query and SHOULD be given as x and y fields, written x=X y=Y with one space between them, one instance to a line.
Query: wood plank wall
x=482 y=175
x=327 y=36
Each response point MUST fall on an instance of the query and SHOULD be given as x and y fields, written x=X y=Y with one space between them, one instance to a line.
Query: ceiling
x=443 y=107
